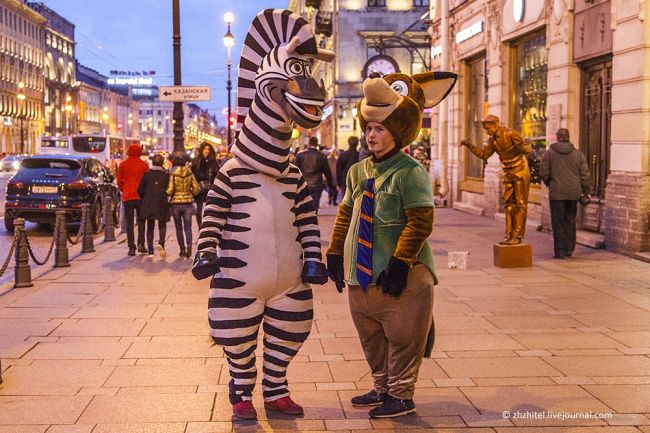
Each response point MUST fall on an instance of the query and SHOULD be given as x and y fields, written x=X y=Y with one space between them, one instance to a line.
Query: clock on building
x=382 y=64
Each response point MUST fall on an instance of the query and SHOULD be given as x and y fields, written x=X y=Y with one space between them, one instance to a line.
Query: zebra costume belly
x=268 y=259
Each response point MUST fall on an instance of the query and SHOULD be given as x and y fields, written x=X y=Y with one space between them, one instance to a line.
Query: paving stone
x=71 y=428
x=41 y=409
x=143 y=408
x=23 y=428
x=163 y=375
x=175 y=347
x=178 y=427
x=111 y=311
x=496 y=367
x=209 y=427
x=45 y=313
x=623 y=398
x=478 y=342
x=89 y=348
x=99 y=328
x=533 y=321
x=566 y=341
x=136 y=390
x=601 y=365
x=176 y=328
x=54 y=378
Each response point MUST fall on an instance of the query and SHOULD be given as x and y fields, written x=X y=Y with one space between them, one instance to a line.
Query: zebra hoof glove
x=314 y=273
x=335 y=270
x=205 y=265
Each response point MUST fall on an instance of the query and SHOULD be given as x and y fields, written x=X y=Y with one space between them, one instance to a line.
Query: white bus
x=53 y=145
x=111 y=150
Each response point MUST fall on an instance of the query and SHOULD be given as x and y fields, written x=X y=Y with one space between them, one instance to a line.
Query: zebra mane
x=270 y=29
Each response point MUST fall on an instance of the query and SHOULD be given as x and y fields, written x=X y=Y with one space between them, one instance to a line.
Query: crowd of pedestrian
x=155 y=195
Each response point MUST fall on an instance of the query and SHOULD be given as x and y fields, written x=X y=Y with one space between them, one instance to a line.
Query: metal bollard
x=109 y=223
x=87 y=245
x=22 y=271
x=61 y=259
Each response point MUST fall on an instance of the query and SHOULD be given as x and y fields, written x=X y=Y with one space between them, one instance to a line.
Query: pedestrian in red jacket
x=129 y=174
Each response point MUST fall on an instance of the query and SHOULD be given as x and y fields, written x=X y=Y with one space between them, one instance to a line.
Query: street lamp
x=68 y=110
x=21 y=98
x=179 y=145
x=229 y=41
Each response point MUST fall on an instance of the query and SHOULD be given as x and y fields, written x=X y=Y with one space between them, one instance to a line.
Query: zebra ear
x=324 y=55
x=293 y=44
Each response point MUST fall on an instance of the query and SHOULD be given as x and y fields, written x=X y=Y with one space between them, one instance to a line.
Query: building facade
x=22 y=37
x=60 y=72
x=540 y=66
x=367 y=35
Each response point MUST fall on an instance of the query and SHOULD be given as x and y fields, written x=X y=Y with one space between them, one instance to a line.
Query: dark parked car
x=47 y=183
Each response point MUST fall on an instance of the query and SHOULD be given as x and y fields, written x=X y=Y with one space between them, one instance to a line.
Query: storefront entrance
x=595 y=136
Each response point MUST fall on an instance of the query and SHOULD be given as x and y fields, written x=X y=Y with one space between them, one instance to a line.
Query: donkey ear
x=435 y=85
x=293 y=44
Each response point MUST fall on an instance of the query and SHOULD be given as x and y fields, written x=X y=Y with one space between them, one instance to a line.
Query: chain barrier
x=11 y=253
x=49 y=252
x=82 y=230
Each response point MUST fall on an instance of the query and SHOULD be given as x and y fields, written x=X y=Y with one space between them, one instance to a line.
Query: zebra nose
x=311 y=88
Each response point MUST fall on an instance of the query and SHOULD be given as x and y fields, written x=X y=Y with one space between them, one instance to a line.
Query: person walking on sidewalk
x=346 y=160
x=155 y=206
x=313 y=165
x=181 y=190
x=565 y=172
x=379 y=241
x=205 y=168
x=129 y=174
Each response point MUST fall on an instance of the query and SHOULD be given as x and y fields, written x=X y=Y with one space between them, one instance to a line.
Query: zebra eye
x=400 y=87
x=296 y=68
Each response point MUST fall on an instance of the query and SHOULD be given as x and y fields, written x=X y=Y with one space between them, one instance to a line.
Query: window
x=530 y=70
x=376 y=3
x=477 y=84
x=420 y=3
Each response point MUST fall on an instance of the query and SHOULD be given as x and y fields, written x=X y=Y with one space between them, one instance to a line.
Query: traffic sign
x=184 y=93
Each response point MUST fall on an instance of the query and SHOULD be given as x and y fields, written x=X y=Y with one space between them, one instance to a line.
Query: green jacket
x=400 y=183
x=182 y=186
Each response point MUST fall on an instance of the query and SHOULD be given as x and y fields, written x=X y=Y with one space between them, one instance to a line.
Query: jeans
x=199 y=212
x=132 y=210
x=182 y=214
x=162 y=233
x=563 y=221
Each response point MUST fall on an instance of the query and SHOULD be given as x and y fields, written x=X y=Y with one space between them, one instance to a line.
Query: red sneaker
x=244 y=410
x=284 y=405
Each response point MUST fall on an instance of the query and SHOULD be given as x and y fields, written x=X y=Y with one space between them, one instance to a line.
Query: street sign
x=184 y=93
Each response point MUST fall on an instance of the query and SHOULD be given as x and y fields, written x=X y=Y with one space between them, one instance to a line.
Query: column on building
x=627 y=193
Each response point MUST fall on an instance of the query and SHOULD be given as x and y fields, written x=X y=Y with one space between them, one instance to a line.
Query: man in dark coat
x=154 y=205
x=564 y=170
x=129 y=174
x=345 y=161
x=313 y=165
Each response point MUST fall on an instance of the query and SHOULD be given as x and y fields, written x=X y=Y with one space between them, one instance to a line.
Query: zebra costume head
x=275 y=89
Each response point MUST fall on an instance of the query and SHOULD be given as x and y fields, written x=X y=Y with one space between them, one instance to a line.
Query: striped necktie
x=364 y=251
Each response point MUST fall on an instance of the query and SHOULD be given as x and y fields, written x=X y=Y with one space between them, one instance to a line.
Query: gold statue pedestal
x=513 y=256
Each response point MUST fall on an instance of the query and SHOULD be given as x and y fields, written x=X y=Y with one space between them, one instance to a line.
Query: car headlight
x=15 y=165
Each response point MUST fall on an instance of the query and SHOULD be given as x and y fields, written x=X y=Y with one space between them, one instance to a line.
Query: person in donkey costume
x=379 y=241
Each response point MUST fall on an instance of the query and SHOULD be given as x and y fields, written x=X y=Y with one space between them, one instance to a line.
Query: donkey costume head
x=397 y=101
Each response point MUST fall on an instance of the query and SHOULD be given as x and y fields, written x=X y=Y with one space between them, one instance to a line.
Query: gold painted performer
x=512 y=150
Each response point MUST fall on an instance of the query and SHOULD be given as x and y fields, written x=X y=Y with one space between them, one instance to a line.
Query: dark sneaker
x=392 y=407
x=142 y=249
x=181 y=252
x=284 y=405
x=150 y=253
x=372 y=398
x=132 y=251
x=188 y=252
x=244 y=410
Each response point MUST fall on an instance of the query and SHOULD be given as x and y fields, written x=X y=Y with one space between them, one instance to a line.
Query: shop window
x=376 y=3
x=476 y=110
x=530 y=67
x=421 y=3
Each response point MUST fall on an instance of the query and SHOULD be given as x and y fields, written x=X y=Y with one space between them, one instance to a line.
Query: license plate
x=45 y=189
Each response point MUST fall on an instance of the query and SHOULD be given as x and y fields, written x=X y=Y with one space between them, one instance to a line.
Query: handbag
x=584 y=199
x=204 y=186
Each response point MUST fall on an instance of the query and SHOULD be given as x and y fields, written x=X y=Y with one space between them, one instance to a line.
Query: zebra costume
x=259 y=214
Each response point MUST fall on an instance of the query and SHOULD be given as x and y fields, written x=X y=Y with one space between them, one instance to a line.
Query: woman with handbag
x=204 y=167
x=182 y=189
